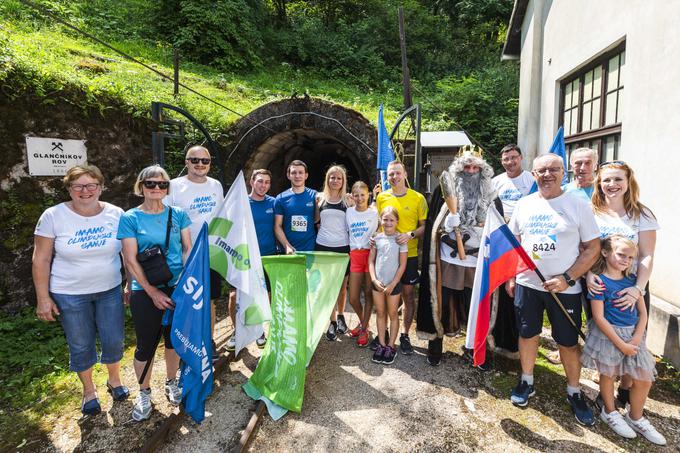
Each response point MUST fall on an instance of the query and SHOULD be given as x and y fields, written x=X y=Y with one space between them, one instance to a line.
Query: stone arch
x=315 y=131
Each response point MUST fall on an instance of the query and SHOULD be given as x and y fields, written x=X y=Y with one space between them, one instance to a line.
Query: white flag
x=235 y=254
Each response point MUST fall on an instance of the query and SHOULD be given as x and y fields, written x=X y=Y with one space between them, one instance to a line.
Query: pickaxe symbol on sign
x=58 y=146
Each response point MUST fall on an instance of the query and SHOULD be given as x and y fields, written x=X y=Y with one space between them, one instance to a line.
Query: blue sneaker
x=581 y=410
x=521 y=393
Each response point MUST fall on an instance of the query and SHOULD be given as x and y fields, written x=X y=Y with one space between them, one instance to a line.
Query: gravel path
x=352 y=403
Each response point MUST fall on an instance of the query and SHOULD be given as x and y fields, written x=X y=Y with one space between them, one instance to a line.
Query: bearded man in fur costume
x=452 y=238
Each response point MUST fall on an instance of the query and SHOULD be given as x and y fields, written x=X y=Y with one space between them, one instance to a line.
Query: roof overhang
x=513 y=39
x=444 y=139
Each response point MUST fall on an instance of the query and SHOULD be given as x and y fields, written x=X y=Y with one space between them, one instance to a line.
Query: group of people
x=592 y=239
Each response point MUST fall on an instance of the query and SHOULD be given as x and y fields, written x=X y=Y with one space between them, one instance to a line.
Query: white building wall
x=574 y=33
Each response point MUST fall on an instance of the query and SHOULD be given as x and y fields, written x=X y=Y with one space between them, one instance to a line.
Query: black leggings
x=147 y=320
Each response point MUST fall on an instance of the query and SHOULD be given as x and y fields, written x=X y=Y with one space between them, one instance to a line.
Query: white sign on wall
x=53 y=156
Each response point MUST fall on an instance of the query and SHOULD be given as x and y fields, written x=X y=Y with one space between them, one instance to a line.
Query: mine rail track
x=172 y=422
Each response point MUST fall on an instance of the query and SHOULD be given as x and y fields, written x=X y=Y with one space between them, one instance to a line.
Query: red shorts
x=358 y=260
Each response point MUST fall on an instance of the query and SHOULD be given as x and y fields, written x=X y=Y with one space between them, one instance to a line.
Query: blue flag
x=558 y=148
x=385 y=152
x=191 y=332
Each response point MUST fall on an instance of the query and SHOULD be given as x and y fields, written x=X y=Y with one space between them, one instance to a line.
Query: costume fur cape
x=429 y=323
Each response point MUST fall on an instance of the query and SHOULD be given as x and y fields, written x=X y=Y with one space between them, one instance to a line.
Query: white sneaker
x=231 y=343
x=646 y=429
x=173 y=392
x=142 y=408
x=617 y=423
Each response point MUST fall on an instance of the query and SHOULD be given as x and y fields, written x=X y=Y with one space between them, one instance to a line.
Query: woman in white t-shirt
x=81 y=285
x=618 y=210
x=333 y=236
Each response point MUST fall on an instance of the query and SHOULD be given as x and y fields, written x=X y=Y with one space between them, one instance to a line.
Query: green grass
x=62 y=60
x=36 y=386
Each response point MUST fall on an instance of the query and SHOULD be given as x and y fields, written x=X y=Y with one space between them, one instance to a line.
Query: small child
x=615 y=345
x=362 y=222
x=386 y=264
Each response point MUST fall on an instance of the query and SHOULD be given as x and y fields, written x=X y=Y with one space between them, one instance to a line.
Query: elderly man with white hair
x=583 y=163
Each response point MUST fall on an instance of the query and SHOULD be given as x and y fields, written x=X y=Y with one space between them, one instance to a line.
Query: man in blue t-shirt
x=296 y=212
x=262 y=207
x=583 y=163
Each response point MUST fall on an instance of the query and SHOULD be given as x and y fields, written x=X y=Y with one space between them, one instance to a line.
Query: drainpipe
x=533 y=124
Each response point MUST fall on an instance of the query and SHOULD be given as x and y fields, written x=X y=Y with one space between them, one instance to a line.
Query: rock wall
x=117 y=143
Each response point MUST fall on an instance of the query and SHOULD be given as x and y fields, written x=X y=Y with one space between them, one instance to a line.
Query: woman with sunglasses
x=618 y=210
x=72 y=239
x=141 y=228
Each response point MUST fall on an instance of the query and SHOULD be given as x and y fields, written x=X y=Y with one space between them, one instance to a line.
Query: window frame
x=601 y=133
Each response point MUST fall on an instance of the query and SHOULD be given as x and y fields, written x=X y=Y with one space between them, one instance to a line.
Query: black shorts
x=411 y=273
x=215 y=285
x=529 y=306
x=324 y=248
x=395 y=291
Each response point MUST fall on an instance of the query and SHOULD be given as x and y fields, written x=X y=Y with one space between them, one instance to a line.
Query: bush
x=222 y=33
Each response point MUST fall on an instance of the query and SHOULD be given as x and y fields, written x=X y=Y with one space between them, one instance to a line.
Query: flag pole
x=559 y=304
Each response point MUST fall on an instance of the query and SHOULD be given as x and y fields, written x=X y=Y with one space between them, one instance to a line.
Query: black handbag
x=153 y=260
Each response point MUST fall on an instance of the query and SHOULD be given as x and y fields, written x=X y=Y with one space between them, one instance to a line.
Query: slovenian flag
x=502 y=258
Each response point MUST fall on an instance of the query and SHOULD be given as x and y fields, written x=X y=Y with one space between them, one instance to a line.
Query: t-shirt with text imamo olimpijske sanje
x=512 y=189
x=551 y=231
x=361 y=226
x=150 y=230
x=199 y=200
x=86 y=251
x=626 y=226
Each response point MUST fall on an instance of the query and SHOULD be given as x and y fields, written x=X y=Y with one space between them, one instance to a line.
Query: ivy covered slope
x=52 y=58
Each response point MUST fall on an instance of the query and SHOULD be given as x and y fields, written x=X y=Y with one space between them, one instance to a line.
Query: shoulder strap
x=167 y=231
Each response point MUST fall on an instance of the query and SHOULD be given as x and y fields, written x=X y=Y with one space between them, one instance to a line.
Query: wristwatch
x=570 y=281
x=642 y=290
x=412 y=234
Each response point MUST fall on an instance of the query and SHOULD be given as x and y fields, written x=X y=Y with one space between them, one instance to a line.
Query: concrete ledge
x=663 y=330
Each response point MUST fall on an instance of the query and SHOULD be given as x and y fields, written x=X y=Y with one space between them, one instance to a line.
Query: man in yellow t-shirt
x=412 y=209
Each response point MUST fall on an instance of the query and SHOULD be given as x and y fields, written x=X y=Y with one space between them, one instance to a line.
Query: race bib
x=298 y=223
x=544 y=247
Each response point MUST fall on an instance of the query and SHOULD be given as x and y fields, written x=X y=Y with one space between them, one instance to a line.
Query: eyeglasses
x=540 y=171
x=80 y=187
x=163 y=185
x=203 y=160
x=612 y=162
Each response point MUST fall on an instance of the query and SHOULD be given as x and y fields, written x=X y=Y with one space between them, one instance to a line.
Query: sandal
x=91 y=407
x=120 y=393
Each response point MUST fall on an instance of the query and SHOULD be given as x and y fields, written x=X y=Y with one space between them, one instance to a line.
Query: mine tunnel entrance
x=318 y=150
x=317 y=132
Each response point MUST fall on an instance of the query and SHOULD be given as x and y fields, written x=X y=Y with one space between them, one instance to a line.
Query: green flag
x=304 y=289
x=325 y=272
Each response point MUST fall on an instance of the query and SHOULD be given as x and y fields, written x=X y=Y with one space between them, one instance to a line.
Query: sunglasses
x=612 y=162
x=203 y=160
x=163 y=185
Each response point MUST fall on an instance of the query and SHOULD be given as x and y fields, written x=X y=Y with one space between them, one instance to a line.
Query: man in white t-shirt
x=510 y=186
x=200 y=196
x=551 y=224
x=515 y=183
